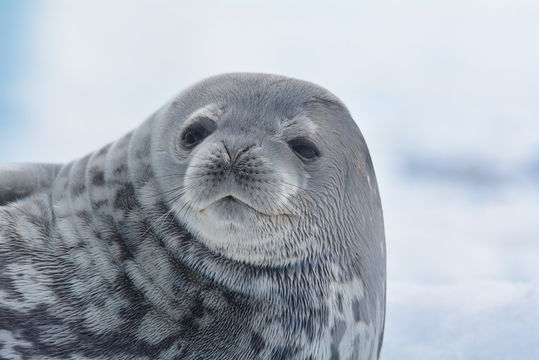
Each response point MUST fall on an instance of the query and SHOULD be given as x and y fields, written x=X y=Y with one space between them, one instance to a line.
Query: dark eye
x=304 y=148
x=196 y=132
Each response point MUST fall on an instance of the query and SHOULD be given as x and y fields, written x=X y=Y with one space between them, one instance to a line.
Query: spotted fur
x=107 y=262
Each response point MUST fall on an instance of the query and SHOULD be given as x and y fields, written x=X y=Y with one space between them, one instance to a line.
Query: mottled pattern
x=117 y=258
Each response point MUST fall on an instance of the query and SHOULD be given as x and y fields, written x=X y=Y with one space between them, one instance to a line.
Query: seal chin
x=231 y=227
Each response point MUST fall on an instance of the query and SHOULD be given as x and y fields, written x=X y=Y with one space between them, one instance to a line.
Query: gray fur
x=134 y=253
x=20 y=180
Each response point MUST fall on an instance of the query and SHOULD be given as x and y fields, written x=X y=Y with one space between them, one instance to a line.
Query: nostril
x=233 y=155
x=245 y=149
x=227 y=151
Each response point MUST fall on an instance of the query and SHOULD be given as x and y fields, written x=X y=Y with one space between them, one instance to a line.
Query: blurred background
x=445 y=92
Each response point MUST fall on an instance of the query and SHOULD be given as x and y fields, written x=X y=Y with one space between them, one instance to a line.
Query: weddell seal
x=242 y=220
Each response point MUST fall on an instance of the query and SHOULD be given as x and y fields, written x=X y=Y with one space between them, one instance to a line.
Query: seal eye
x=304 y=148
x=196 y=132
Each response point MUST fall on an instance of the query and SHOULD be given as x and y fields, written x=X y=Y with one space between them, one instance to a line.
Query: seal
x=21 y=180
x=242 y=220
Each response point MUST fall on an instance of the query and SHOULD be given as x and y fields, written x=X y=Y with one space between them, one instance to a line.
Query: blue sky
x=13 y=21
x=445 y=93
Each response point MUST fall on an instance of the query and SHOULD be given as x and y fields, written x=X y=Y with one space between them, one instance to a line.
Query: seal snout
x=235 y=152
x=237 y=172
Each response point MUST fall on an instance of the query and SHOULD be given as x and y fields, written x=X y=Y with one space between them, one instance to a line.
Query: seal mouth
x=229 y=199
x=232 y=203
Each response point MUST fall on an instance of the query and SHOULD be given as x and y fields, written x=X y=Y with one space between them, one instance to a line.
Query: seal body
x=21 y=180
x=240 y=221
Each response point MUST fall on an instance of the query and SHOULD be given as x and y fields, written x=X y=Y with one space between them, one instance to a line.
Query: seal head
x=265 y=170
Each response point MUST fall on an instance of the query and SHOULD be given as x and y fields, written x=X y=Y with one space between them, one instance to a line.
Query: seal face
x=241 y=221
x=247 y=183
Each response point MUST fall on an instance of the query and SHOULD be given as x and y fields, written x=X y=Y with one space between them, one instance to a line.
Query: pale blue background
x=445 y=92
